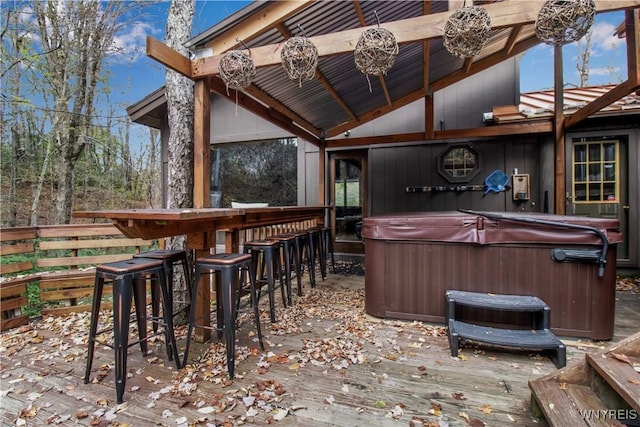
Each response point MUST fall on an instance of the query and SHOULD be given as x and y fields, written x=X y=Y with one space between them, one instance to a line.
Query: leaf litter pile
x=255 y=395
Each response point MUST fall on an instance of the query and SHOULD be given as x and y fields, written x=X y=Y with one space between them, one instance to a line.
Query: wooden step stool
x=538 y=337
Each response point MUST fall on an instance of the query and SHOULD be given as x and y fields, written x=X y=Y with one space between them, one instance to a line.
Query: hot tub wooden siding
x=407 y=279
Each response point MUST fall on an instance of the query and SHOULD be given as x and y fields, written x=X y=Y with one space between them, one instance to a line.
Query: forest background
x=65 y=147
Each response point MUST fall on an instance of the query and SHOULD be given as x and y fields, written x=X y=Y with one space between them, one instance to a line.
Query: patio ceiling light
x=375 y=52
x=466 y=31
x=299 y=58
x=237 y=69
x=560 y=22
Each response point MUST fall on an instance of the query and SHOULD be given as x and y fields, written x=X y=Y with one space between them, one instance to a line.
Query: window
x=595 y=169
x=458 y=163
x=257 y=171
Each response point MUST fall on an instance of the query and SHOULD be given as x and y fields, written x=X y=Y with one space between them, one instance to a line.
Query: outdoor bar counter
x=413 y=259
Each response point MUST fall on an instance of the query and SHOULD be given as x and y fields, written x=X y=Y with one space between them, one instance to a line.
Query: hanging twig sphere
x=466 y=31
x=564 y=21
x=299 y=58
x=376 y=51
x=237 y=69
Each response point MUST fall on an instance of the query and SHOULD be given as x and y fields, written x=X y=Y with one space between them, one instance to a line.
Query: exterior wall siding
x=392 y=169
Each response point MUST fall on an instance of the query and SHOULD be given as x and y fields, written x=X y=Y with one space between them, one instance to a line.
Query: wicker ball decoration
x=466 y=31
x=376 y=51
x=237 y=69
x=564 y=21
x=299 y=58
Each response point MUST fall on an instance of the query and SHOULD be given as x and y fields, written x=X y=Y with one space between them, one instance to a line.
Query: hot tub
x=412 y=259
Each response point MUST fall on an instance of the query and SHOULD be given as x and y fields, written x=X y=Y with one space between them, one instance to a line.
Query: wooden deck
x=327 y=363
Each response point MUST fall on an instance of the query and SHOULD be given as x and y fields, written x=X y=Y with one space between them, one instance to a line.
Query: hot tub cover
x=486 y=228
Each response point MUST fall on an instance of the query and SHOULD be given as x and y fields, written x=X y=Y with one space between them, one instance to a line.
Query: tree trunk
x=179 y=92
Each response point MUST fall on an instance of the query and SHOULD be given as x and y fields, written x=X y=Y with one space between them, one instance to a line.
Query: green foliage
x=263 y=171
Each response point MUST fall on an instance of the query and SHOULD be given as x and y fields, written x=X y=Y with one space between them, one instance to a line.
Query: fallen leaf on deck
x=487 y=409
x=280 y=414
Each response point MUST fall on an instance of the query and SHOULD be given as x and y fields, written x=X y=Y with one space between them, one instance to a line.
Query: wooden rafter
x=513 y=38
x=510 y=13
x=265 y=111
x=363 y=23
x=503 y=14
x=246 y=30
x=401 y=102
x=484 y=63
x=323 y=80
x=632 y=83
x=537 y=127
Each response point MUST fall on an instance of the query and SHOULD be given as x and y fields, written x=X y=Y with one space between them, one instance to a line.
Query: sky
x=134 y=75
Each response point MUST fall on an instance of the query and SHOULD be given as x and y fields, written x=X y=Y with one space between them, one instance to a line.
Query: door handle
x=626 y=207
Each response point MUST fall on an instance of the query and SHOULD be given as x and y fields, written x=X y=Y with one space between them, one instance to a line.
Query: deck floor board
x=404 y=373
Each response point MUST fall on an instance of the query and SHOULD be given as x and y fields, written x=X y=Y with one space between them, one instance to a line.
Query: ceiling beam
x=363 y=23
x=371 y=115
x=484 y=63
x=533 y=127
x=323 y=79
x=513 y=38
x=168 y=57
x=599 y=103
x=503 y=14
x=262 y=110
x=632 y=83
x=282 y=110
x=248 y=29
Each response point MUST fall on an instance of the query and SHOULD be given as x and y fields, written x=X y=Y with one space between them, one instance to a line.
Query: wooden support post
x=201 y=188
x=558 y=133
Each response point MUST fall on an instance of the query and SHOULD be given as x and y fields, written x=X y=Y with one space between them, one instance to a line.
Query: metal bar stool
x=290 y=256
x=229 y=267
x=170 y=258
x=270 y=251
x=315 y=247
x=327 y=246
x=128 y=279
x=304 y=250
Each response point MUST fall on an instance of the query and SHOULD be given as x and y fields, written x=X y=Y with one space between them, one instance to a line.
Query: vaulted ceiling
x=340 y=97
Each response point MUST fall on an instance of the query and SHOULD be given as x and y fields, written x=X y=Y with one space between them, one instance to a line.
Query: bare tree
x=179 y=92
x=78 y=35
x=584 y=53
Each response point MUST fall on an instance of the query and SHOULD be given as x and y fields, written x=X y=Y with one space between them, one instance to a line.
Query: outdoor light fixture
x=375 y=51
x=466 y=31
x=560 y=22
x=299 y=58
x=237 y=69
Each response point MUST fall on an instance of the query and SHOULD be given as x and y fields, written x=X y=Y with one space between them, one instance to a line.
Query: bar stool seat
x=270 y=251
x=170 y=259
x=229 y=266
x=128 y=279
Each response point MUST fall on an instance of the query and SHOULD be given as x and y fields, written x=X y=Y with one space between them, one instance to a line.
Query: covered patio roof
x=338 y=98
